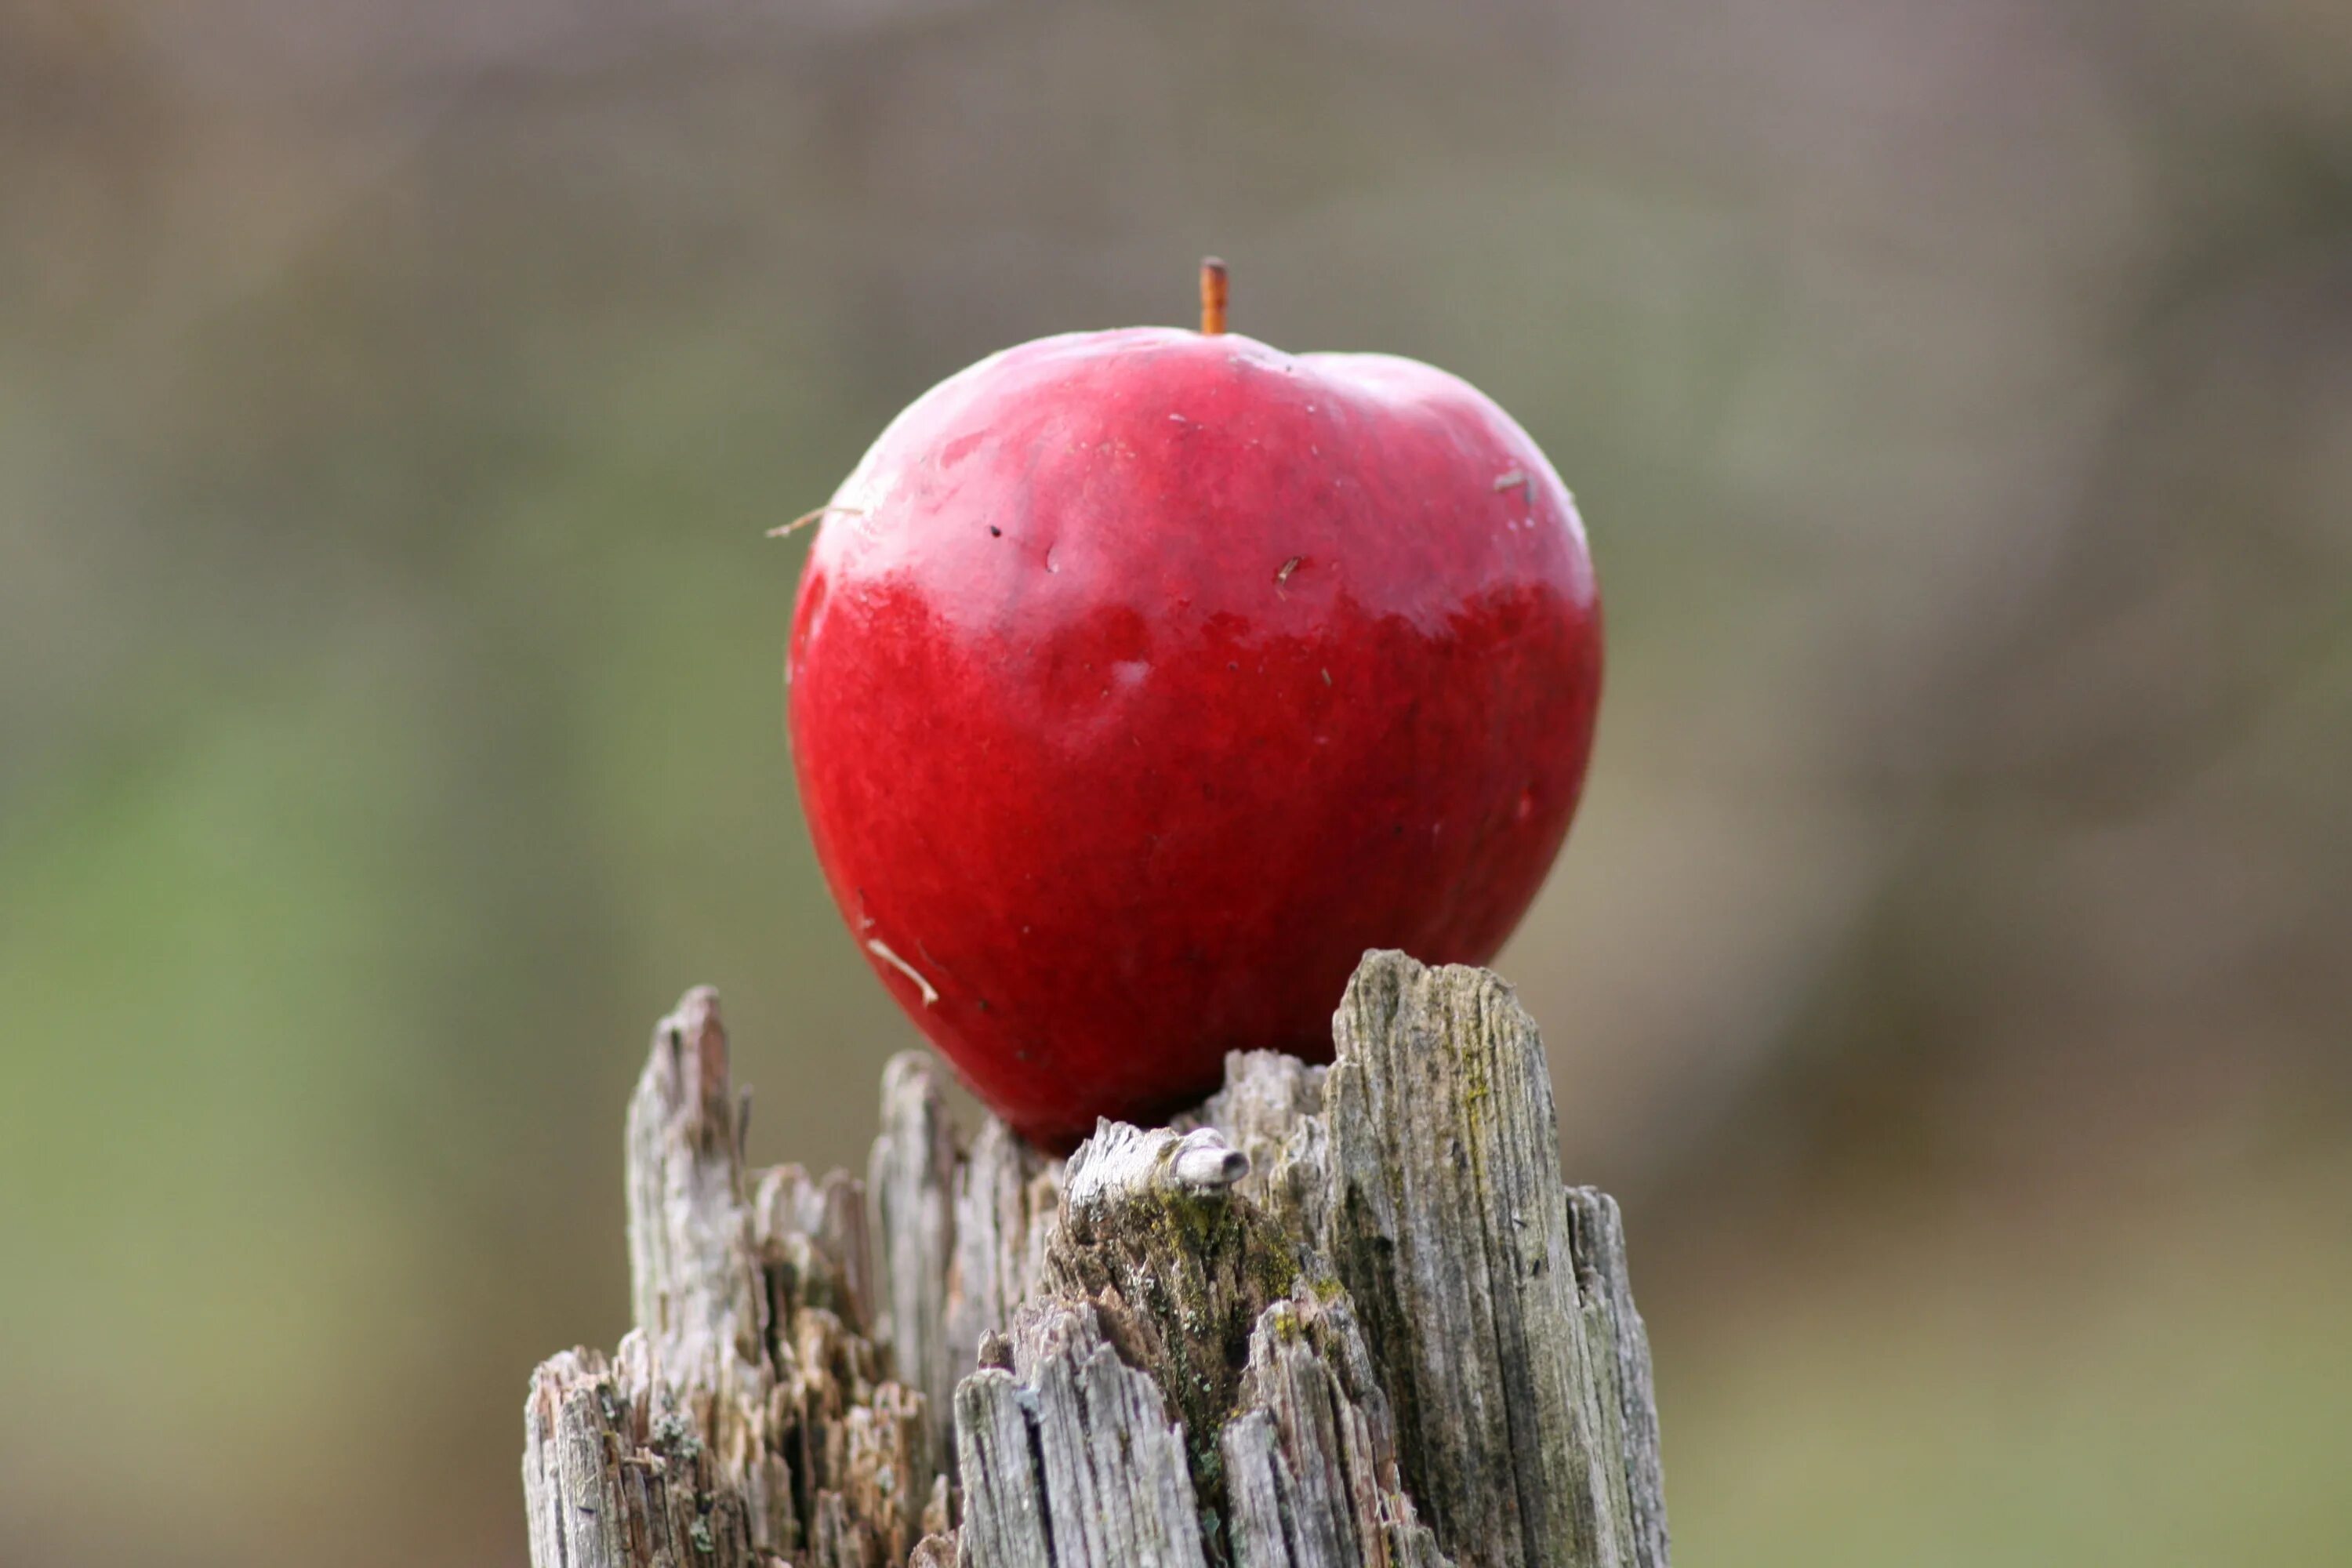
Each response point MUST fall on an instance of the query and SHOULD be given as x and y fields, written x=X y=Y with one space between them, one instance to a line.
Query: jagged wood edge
x=681 y=1449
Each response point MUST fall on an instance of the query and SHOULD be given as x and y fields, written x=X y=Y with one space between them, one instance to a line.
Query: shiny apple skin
x=1140 y=680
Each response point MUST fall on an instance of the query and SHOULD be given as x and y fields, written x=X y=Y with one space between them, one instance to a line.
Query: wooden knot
x=1121 y=1164
x=1205 y=1162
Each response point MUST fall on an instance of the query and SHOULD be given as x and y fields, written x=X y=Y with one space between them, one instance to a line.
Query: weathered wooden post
x=1343 y=1317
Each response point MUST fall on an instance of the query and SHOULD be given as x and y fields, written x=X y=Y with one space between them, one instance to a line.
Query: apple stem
x=1213 y=296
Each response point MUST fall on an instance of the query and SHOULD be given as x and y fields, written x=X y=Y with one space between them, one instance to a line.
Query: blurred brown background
x=1952 y=968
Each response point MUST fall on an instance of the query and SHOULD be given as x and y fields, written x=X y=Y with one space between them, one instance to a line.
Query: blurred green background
x=1951 y=969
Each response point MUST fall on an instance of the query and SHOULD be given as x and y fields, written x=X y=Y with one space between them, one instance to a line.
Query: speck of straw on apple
x=1140 y=680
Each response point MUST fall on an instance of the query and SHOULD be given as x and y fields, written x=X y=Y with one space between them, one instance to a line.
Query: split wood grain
x=1343 y=1317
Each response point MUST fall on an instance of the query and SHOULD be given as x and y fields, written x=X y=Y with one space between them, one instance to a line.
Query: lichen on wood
x=1337 y=1317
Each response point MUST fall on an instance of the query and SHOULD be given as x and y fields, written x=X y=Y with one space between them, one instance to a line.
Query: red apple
x=1140 y=680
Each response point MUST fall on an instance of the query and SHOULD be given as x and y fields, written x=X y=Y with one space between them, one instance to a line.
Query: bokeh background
x=1951 y=969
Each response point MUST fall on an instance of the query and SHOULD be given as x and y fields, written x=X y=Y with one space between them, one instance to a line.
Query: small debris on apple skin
x=1140 y=680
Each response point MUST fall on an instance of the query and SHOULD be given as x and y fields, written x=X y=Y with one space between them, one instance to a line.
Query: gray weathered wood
x=1084 y=1459
x=745 y=1419
x=1310 y=1463
x=910 y=1182
x=1343 y=1317
x=1007 y=1195
x=1448 y=1222
x=1619 y=1350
